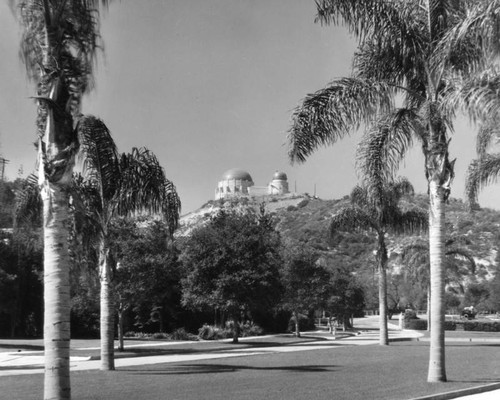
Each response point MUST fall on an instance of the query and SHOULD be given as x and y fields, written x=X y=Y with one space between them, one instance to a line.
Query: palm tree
x=415 y=50
x=486 y=168
x=114 y=185
x=58 y=47
x=415 y=256
x=382 y=215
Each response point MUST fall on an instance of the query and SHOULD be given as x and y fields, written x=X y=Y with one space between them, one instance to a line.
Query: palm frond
x=365 y=18
x=99 y=155
x=407 y=222
x=480 y=173
x=478 y=95
x=384 y=146
x=332 y=113
x=488 y=131
x=475 y=32
x=418 y=246
x=359 y=196
x=462 y=254
x=394 y=63
x=86 y=208
x=29 y=203
x=144 y=187
x=69 y=30
x=352 y=219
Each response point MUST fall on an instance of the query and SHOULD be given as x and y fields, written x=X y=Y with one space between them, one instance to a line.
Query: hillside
x=306 y=219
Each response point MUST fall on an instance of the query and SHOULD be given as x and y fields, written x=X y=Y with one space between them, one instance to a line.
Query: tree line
x=237 y=267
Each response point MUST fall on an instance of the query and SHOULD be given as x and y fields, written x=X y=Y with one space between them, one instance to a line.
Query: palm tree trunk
x=54 y=175
x=107 y=312
x=382 y=290
x=56 y=331
x=428 y=310
x=436 y=372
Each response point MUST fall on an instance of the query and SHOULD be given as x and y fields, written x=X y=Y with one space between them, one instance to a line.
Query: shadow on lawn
x=190 y=369
x=217 y=348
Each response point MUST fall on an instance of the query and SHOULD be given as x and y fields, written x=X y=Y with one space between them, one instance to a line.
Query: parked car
x=468 y=313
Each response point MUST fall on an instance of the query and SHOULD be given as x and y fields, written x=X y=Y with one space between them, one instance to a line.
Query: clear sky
x=210 y=85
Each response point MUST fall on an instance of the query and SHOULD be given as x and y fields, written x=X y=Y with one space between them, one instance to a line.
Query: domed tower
x=279 y=184
x=234 y=182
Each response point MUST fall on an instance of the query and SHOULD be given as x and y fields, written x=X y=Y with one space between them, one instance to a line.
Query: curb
x=460 y=393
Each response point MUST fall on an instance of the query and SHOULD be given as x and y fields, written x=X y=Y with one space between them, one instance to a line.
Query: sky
x=210 y=85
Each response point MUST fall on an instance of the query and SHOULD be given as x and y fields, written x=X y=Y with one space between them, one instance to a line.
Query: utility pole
x=3 y=161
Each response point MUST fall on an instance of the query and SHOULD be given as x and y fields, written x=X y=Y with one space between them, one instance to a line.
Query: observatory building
x=237 y=182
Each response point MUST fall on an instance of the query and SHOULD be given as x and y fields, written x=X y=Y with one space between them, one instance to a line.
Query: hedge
x=477 y=326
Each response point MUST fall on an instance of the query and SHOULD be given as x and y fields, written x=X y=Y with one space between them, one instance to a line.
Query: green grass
x=374 y=372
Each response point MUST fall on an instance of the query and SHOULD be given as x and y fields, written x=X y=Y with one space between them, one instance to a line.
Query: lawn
x=395 y=372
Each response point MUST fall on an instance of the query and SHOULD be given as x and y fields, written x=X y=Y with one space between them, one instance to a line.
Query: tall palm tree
x=486 y=168
x=413 y=49
x=382 y=216
x=116 y=185
x=58 y=46
x=415 y=257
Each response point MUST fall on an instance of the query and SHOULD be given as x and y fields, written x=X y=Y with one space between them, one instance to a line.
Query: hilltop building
x=237 y=182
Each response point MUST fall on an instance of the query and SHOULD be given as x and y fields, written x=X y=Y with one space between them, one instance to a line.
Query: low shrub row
x=178 y=334
x=206 y=332
x=210 y=332
x=477 y=326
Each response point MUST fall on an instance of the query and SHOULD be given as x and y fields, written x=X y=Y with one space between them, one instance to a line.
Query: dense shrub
x=476 y=326
x=450 y=326
x=482 y=326
x=416 y=324
x=182 y=334
x=410 y=315
x=209 y=332
x=178 y=334
x=303 y=203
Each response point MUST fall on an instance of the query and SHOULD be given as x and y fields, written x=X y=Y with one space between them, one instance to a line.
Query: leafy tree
x=458 y=263
x=305 y=281
x=21 y=289
x=421 y=51
x=477 y=295
x=346 y=296
x=114 y=185
x=148 y=276
x=59 y=42
x=8 y=201
x=232 y=265
x=494 y=290
x=380 y=215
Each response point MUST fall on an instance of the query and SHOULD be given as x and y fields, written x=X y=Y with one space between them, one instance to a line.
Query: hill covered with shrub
x=306 y=220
